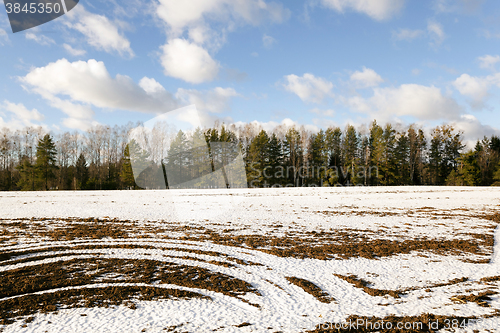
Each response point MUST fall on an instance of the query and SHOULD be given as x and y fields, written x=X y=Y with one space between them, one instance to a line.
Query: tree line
x=104 y=158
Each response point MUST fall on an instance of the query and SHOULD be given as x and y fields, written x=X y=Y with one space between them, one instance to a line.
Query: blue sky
x=310 y=62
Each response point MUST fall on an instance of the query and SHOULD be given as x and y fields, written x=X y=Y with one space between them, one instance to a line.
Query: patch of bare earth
x=311 y=289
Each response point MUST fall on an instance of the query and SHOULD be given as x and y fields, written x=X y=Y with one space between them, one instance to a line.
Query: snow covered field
x=249 y=260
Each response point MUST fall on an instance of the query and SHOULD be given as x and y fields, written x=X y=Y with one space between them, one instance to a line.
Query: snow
x=270 y=212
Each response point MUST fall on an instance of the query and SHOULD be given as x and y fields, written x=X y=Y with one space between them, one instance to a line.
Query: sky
x=316 y=63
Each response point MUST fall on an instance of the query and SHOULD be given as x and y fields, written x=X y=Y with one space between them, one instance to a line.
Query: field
x=251 y=260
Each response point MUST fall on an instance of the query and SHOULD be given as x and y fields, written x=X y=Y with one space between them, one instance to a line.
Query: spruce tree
x=275 y=161
x=258 y=160
x=45 y=161
x=469 y=168
x=82 y=171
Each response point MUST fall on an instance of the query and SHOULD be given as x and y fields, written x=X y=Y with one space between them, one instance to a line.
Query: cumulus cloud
x=407 y=34
x=73 y=51
x=366 y=78
x=215 y=101
x=40 y=39
x=188 y=61
x=87 y=84
x=268 y=41
x=181 y=15
x=308 y=87
x=76 y=88
x=20 y=115
x=473 y=87
x=473 y=129
x=3 y=36
x=191 y=35
x=421 y=102
x=476 y=88
x=326 y=113
x=99 y=31
x=436 y=33
x=271 y=125
x=376 y=9
x=489 y=62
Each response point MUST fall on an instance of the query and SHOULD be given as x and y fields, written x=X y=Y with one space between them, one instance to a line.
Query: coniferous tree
x=318 y=158
x=469 y=169
x=45 y=161
x=350 y=155
x=377 y=150
x=258 y=159
x=82 y=172
x=275 y=165
x=293 y=155
x=27 y=175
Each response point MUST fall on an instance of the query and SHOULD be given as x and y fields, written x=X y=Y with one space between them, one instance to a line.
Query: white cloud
x=3 y=36
x=271 y=125
x=407 y=34
x=20 y=115
x=40 y=39
x=195 y=26
x=76 y=88
x=376 y=9
x=188 y=61
x=421 y=102
x=366 y=78
x=99 y=31
x=254 y=54
x=489 y=62
x=74 y=52
x=326 y=113
x=88 y=84
x=473 y=129
x=488 y=34
x=268 y=41
x=473 y=87
x=436 y=33
x=308 y=87
x=181 y=15
x=215 y=101
x=476 y=88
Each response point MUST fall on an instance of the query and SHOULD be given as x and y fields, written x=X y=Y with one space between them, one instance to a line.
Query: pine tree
x=436 y=157
x=27 y=175
x=377 y=151
x=293 y=155
x=402 y=159
x=333 y=138
x=275 y=151
x=350 y=154
x=82 y=172
x=45 y=161
x=178 y=164
x=318 y=157
x=258 y=160
x=469 y=168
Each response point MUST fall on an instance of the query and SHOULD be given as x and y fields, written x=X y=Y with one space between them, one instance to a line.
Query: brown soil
x=27 y=305
x=80 y=272
x=312 y=289
x=481 y=298
x=12 y=255
x=318 y=245
x=491 y=279
x=362 y=284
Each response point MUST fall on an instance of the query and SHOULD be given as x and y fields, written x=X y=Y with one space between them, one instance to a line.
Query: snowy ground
x=367 y=252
